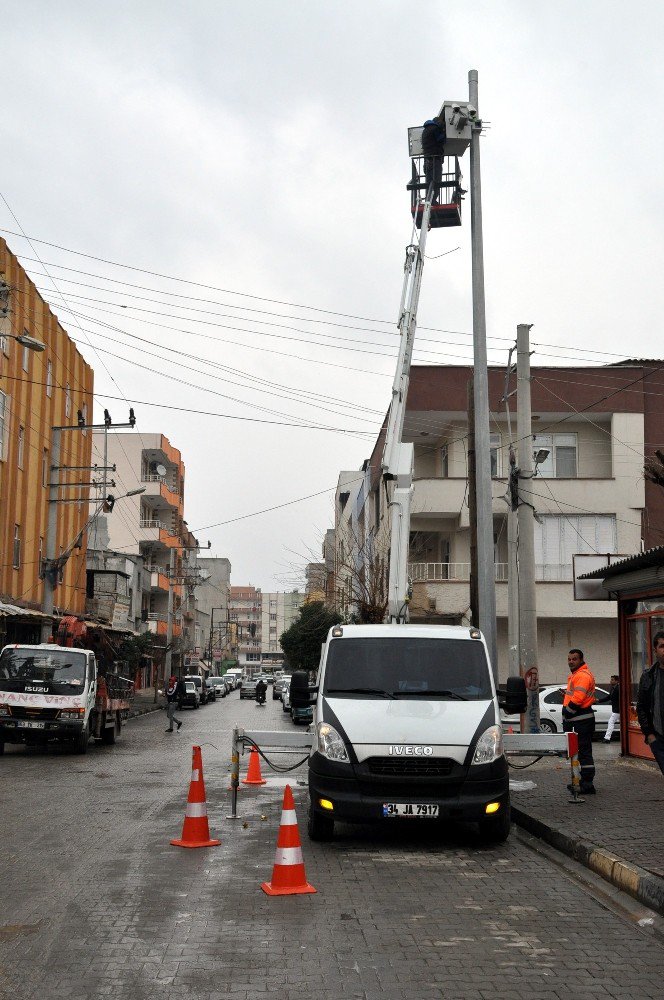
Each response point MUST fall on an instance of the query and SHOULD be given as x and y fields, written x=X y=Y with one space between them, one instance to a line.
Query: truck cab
x=406 y=724
x=52 y=693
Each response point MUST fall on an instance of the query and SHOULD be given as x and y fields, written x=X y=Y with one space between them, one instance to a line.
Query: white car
x=551 y=709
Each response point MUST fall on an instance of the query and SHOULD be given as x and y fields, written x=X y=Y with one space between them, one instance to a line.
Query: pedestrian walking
x=650 y=702
x=578 y=715
x=615 y=708
x=173 y=694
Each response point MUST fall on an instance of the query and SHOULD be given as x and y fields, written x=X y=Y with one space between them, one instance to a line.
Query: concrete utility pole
x=472 y=508
x=169 y=624
x=526 y=543
x=50 y=577
x=486 y=581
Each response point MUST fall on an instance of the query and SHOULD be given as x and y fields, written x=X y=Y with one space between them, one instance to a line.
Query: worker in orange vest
x=578 y=715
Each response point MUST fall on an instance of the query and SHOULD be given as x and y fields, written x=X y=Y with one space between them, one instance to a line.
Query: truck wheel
x=82 y=740
x=319 y=827
x=496 y=829
x=109 y=734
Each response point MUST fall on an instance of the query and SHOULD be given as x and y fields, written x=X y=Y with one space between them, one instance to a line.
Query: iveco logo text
x=401 y=750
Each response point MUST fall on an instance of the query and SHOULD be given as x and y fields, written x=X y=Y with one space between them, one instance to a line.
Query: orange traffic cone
x=510 y=730
x=254 y=776
x=288 y=877
x=195 y=831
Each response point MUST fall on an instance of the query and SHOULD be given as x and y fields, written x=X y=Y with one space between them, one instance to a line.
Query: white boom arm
x=397 y=461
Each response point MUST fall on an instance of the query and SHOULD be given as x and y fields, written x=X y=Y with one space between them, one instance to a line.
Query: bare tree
x=361 y=575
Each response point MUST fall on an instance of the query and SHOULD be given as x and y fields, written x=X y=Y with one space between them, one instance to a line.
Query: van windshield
x=43 y=671
x=379 y=667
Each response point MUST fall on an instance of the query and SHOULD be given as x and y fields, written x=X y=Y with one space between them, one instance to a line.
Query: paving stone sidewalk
x=624 y=819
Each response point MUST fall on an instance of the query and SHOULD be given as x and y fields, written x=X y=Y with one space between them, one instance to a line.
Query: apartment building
x=212 y=601
x=39 y=390
x=246 y=613
x=279 y=611
x=597 y=425
x=152 y=526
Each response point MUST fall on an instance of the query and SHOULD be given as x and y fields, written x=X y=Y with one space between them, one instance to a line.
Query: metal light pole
x=486 y=584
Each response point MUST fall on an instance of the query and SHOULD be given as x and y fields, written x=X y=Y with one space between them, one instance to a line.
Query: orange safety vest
x=580 y=688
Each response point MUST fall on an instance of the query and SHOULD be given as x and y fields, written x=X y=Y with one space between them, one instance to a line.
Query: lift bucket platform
x=444 y=173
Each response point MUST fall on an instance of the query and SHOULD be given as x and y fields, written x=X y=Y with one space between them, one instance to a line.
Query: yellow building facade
x=39 y=390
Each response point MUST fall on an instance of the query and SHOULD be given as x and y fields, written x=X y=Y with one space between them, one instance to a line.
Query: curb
x=136 y=712
x=632 y=879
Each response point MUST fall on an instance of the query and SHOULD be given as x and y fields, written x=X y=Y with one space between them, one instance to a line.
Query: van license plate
x=421 y=810
x=31 y=725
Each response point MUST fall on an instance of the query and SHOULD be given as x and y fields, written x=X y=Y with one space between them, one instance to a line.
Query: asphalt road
x=94 y=902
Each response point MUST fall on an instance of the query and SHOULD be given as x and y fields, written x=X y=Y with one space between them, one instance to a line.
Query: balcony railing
x=460 y=572
x=151 y=523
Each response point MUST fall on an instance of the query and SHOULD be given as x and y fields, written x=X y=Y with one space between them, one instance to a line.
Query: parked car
x=551 y=709
x=198 y=681
x=285 y=695
x=279 y=686
x=235 y=674
x=191 y=696
x=302 y=714
x=210 y=690
x=217 y=684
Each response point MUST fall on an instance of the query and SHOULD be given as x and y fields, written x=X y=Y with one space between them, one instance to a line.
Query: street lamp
x=25 y=340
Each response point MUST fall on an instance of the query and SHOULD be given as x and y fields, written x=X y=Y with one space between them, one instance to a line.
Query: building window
x=17 y=547
x=68 y=401
x=26 y=357
x=49 y=378
x=41 y=554
x=496 y=464
x=4 y=345
x=273 y=618
x=45 y=469
x=561 y=462
x=559 y=538
x=21 y=442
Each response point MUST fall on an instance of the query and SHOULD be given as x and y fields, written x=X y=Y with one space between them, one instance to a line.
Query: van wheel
x=82 y=740
x=496 y=829
x=546 y=726
x=319 y=827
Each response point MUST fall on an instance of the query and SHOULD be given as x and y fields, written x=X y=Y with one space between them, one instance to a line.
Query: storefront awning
x=13 y=611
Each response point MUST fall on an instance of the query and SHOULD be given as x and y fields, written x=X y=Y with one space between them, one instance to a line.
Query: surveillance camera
x=472 y=111
x=456 y=109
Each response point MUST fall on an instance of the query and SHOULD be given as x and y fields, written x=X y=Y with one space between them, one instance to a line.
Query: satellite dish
x=161 y=470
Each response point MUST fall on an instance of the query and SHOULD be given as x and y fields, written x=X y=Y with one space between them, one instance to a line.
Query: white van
x=406 y=724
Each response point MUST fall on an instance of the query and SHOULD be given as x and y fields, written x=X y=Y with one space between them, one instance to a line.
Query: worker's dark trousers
x=584 y=730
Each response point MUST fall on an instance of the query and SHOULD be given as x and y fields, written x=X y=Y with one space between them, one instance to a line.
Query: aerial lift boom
x=398 y=456
x=434 y=211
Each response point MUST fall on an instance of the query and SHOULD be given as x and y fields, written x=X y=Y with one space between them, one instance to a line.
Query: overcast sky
x=260 y=149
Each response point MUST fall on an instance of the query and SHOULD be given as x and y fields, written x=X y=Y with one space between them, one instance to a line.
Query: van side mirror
x=514 y=699
x=300 y=690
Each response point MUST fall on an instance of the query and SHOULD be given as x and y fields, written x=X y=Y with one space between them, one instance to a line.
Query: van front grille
x=414 y=767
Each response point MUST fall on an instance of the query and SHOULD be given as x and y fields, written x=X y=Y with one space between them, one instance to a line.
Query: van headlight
x=330 y=744
x=489 y=746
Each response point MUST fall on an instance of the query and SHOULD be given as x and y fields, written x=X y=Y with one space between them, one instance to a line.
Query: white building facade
x=589 y=497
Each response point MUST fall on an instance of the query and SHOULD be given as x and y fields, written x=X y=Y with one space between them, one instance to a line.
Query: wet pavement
x=94 y=902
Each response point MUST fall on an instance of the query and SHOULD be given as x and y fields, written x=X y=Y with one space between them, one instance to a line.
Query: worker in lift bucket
x=433 y=148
